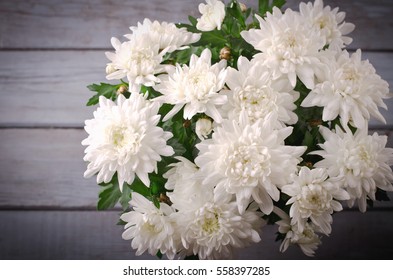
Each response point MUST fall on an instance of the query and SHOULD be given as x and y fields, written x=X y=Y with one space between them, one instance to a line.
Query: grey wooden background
x=49 y=51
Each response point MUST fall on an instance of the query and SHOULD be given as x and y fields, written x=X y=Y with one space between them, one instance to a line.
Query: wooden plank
x=43 y=169
x=94 y=235
x=91 y=24
x=80 y=24
x=48 y=88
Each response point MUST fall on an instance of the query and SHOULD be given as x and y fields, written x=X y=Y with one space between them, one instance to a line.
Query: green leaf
x=156 y=202
x=263 y=6
x=159 y=254
x=308 y=139
x=279 y=3
x=120 y=222
x=214 y=38
x=139 y=187
x=234 y=10
x=109 y=195
x=103 y=89
x=177 y=147
x=179 y=131
x=192 y=20
x=125 y=197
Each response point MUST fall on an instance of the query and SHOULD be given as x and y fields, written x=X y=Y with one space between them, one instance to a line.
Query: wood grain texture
x=91 y=23
x=95 y=235
x=43 y=169
x=48 y=88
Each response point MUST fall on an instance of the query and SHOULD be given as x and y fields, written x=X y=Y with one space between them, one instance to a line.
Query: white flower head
x=361 y=160
x=212 y=231
x=253 y=90
x=307 y=239
x=137 y=59
x=151 y=229
x=213 y=14
x=195 y=87
x=125 y=138
x=314 y=196
x=203 y=128
x=289 y=45
x=166 y=35
x=187 y=194
x=249 y=161
x=349 y=88
x=330 y=23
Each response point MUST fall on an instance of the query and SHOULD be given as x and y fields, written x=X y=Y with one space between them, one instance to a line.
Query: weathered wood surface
x=91 y=23
x=48 y=88
x=43 y=169
x=95 y=235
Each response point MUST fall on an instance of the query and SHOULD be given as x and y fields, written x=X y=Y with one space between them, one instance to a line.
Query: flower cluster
x=242 y=118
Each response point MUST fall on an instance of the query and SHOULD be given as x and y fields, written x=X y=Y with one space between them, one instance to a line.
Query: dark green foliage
x=103 y=89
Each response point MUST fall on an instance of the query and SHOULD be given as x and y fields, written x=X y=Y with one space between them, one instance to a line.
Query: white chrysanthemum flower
x=360 y=159
x=212 y=231
x=196 y=86
x=253 y=90
x=187 y=194
x=138 y=59
x=203 y=128
x=349 y=88
x=307 y=239
x=166 y=35
x=330 y=22
x=314 y=196
x=289 y=45
x=125 y=138
x=213 y=14
x=151 y=229
x=248 y=160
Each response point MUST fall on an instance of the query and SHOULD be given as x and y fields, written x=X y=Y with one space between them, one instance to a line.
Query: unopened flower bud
x=110 y=68
x=186 y=123
x=243 y=7
x=314 y=123
x=203 y=128
x=121 y=90
x=225 y=53
x=165 y=199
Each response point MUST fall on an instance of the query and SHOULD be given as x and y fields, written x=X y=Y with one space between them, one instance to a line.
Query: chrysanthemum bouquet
x=239 y=119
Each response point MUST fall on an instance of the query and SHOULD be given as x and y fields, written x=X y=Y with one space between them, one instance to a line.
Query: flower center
x=350 y=74
x=308 y=233
x=291 y=41
x=142 y=61
x=247 y=163
x=257 y=102
x=199 y=83
x=126 y=139
x=315 y=198
x=211 y=223
x=150 y=228
x=360 y=161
